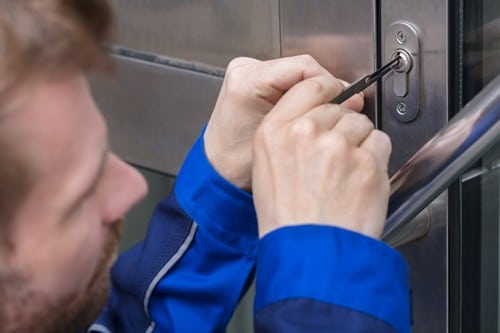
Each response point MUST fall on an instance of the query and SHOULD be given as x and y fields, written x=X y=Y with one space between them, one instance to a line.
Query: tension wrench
x=365 y=81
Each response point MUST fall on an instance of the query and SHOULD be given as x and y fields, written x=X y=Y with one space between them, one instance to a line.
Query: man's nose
x=125 y=188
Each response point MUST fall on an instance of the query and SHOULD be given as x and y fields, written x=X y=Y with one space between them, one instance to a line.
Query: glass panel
x=481 y=245
x=481 y=45
x=480 y=291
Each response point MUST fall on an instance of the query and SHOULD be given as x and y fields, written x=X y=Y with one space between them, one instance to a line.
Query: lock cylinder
x=402 y=68
x=404 y=65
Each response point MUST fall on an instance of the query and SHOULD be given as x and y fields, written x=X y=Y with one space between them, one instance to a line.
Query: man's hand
x=250 y=90
x=319 y=163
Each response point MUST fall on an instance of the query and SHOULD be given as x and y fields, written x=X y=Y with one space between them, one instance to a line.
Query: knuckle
x=333 y=109
x=234 y=81
x=234 y=74
x=239 y=61
x=308 y=60
x=363 y=118
x=383 y=140
x=304 y=128
x=263 y=135
x=338 y=85
x=359 y=119
x=339 y=143
x=372 y=174
x=314 y=87
x=233 y=63
x=369 y=161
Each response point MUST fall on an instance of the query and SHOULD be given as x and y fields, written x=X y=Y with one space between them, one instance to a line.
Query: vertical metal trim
x=280 y=33
x=455 y=84
x=428 y=274
x=378 y=60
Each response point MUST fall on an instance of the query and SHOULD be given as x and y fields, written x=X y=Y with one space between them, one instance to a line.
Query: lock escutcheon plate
x=401 y=88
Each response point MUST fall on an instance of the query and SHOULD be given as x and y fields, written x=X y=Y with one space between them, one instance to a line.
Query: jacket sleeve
x=199 y=256
x=197 y=260
x=325 y=279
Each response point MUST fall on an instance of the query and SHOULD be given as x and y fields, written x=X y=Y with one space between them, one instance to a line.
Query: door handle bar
x=474 y=130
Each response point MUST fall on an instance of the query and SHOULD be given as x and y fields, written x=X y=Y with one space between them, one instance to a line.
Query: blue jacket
x=200 y=255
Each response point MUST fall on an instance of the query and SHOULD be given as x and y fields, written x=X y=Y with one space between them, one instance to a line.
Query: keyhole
x=401 y=72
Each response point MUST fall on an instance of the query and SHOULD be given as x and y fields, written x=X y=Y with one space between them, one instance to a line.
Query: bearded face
x=26 y=309
x=54 y=273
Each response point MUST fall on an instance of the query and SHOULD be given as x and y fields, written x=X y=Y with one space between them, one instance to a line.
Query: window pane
x=480 y=243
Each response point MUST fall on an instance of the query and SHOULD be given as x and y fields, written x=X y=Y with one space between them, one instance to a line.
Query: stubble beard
x=31 y=311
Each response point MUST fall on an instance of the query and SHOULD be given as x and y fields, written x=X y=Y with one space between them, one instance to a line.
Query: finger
x=355 y=127
x=356 y=102
x=242 y=61
x=306 y=95
x=326 y=116
x=379 y=144
x=274 y=77
x=286 y=72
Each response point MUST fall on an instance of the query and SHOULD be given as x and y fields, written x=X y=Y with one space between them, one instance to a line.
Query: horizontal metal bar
x=474 y=130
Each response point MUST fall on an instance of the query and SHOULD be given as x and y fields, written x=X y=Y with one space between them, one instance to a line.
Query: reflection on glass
x=480 y=211
x=481 y=45
x=481 y=245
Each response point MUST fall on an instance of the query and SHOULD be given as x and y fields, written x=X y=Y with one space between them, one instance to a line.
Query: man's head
x=63 y=192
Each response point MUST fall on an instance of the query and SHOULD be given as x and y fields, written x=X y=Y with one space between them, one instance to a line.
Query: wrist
x=232 y=165
x=213 y=203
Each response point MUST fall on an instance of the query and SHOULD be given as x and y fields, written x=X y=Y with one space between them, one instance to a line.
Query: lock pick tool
x=365 y=81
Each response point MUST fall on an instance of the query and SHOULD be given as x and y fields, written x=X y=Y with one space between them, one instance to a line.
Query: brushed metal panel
x=155 y=112
x=427 y=258
x=340 y=34
x=211 y=32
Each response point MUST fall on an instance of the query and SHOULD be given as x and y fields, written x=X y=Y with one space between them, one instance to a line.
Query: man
x=59 y=207
x=316 y=171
